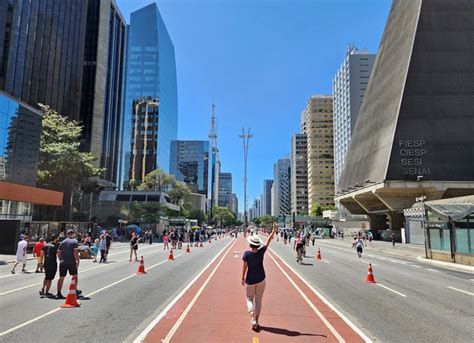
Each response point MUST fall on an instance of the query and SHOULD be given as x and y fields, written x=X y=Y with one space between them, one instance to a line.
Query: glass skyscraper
x=151 y=72
x=189 y=163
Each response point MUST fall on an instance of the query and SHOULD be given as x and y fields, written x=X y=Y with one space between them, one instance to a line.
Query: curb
x=447 y=265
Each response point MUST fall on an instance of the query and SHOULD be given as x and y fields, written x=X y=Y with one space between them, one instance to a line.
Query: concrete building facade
x=413 y=136
x=299 y=174
x=349 y=86
x=267 y=198
x=281 y=190
x=318 y=120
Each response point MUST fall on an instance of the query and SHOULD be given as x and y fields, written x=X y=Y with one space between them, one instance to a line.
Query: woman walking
x=253 y=275
x=102 y=248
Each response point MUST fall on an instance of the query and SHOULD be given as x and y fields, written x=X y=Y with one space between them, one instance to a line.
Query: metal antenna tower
x=245 y=139
x=214 y=159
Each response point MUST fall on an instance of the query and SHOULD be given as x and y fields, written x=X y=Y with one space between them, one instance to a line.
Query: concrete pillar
x=396 y=221
x=378 y=221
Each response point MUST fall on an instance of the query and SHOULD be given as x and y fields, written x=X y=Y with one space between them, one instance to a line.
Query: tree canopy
x=62 y=166
x=224 y=216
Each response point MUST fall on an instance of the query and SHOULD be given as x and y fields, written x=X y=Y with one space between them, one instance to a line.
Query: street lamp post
x=421 y=200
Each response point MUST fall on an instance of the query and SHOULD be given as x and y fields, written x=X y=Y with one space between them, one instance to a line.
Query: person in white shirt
x=21 y=253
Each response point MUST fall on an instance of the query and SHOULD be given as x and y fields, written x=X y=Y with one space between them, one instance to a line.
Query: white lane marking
x=330 y=251
x=29 y=322
x=88 y=295
x=391 y=290
x=432 y=270
x=326 y=301
x=370 y=263
x=393 y=261
x=318 y=313
x=194 y=299
x=40 y=283
x=155 y=321
x=116 y=253
x=460 y=290
x=380 y=258
x=325 y=261
x=414 y=266
x=370 y=255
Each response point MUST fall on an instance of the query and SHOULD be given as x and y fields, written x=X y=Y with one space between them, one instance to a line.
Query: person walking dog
x=253 y=275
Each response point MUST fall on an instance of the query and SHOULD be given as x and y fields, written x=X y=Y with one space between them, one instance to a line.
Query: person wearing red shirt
x=37 y=253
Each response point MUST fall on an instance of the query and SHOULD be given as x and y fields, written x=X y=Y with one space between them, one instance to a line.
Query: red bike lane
x=213 y=309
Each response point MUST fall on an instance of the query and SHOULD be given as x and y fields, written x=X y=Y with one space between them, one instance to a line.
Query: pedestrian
x=370 y=237
x=103 y=249
x=49 y=252
x=108 y=243
x=253 y=275
x=393 y=239
x=68 y=255
x=95 y=249
x=166 y=240
x=133 y=246
x=359 y=243
x=21 y=255
x=313 y=238
x=150 y=237
x=38 y=247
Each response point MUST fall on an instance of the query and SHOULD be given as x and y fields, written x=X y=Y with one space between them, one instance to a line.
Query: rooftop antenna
x=245 y=139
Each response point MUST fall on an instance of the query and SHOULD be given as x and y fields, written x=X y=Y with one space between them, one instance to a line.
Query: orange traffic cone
x=71 y=298
x=187 y=248
x=141 y=267
x=318 y=257
x=370 y=275
x=210 y=241
x=170 y=256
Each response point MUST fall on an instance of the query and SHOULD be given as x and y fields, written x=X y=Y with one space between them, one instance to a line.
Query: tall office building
x=267 y=198
x=349 y=87
x=42 y=52
x=299 y=174
x=234 y=204
x=150 y=72
x=318 y=118
x=225 y=190
x=189 y=163
x=102 y=85
x=144 y=139
x=281 y=202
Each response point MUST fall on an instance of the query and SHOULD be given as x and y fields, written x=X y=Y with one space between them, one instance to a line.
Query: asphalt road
x=411 y=302
x=117 y=303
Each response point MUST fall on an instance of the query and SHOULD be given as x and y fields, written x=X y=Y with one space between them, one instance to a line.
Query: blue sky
x=261 y=61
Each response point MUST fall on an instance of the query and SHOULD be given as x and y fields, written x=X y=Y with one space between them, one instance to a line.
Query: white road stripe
x=414 y=266
x=325 y=261
x=370 y=263
x=391 y=290
x=460 y=290
x=195 y=298
x=330 y=251
x=88 y=295
x=155 y=321
x=318 y=313
x=432 y=270
x=370 y=255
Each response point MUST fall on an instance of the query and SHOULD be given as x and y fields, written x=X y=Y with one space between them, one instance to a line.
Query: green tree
x=223 y=216
x=62 y=166
x=133 y=184
x=148 y=212
x=256 y=221
x=267 y=220
x=179 y=193
x=316 y=210
x=157 y=180
x=197 y=214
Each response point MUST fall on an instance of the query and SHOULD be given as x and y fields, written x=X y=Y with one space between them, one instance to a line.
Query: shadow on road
x=285 y=332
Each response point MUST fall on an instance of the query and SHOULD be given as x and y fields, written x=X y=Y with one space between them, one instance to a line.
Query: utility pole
x=214 y=159
x=245 y=139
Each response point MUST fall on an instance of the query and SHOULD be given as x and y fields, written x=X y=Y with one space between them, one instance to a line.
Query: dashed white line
x=391 y=290
x=325 y=261
x=460 y=290
x=432 y=270
x=415 y=266
x=370 y=263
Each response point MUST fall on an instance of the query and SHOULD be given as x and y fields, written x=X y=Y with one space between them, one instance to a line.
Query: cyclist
x=298 y=245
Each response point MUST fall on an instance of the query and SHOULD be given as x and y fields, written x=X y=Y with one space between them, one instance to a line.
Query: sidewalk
x=214 y=310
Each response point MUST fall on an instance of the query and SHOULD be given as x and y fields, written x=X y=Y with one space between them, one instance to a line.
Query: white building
x=349 y=87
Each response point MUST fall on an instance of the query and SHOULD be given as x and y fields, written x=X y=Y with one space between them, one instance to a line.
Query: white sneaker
x=254 y=324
